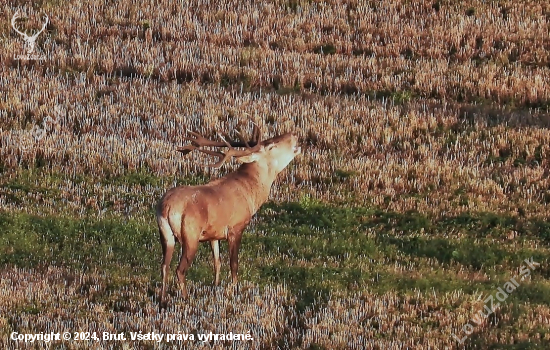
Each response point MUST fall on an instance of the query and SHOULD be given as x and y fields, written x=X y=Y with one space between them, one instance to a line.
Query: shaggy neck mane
x=255 y=181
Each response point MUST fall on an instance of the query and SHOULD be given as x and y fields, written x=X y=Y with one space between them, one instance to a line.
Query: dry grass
x=420 y=156
x=52 y=300
x=468 y=50
x=118 y=83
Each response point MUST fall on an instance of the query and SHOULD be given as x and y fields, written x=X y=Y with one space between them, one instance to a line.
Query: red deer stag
x=222 y=208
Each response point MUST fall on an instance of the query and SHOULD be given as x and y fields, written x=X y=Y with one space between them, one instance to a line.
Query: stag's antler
x=199 y=141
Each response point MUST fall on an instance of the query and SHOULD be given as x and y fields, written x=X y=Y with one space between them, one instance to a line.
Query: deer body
x=221 y=209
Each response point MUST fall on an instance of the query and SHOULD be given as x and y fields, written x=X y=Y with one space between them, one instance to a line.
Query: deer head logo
x=30 y=41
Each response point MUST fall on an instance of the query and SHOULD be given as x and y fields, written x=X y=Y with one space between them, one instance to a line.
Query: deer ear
x=251 y=157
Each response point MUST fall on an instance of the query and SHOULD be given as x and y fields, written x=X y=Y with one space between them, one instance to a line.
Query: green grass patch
x=312 y=247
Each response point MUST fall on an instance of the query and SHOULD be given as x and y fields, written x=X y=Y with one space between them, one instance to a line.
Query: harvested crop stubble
x=498 y=53
x=51 y=300
x=441 y=150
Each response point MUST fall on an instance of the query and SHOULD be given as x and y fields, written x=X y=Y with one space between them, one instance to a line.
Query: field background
x=422 y=187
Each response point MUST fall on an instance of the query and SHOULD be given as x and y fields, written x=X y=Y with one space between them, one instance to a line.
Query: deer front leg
x=215 y=245
x=234 y=244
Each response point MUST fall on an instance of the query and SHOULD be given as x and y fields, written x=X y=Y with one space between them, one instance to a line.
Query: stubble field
x=421 y=190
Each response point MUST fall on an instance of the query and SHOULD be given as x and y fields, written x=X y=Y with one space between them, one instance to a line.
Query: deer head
x=29 y=40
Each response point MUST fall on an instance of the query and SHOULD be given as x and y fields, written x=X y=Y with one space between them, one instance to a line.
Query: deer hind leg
x=167 y=242
x=189 y=247
x=215 y=245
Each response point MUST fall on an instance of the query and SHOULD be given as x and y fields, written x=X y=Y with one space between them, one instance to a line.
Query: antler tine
x=201 y=141
x=232 y=152
x=255 y=132
x=243 y=139
x=242 y=143
x=224 y=138
x=197 y=142
x=221 y=156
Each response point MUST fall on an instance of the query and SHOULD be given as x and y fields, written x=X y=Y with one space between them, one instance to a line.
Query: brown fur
x=220 y=209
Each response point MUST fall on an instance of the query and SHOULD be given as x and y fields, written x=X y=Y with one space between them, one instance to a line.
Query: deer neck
x=257 y=179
